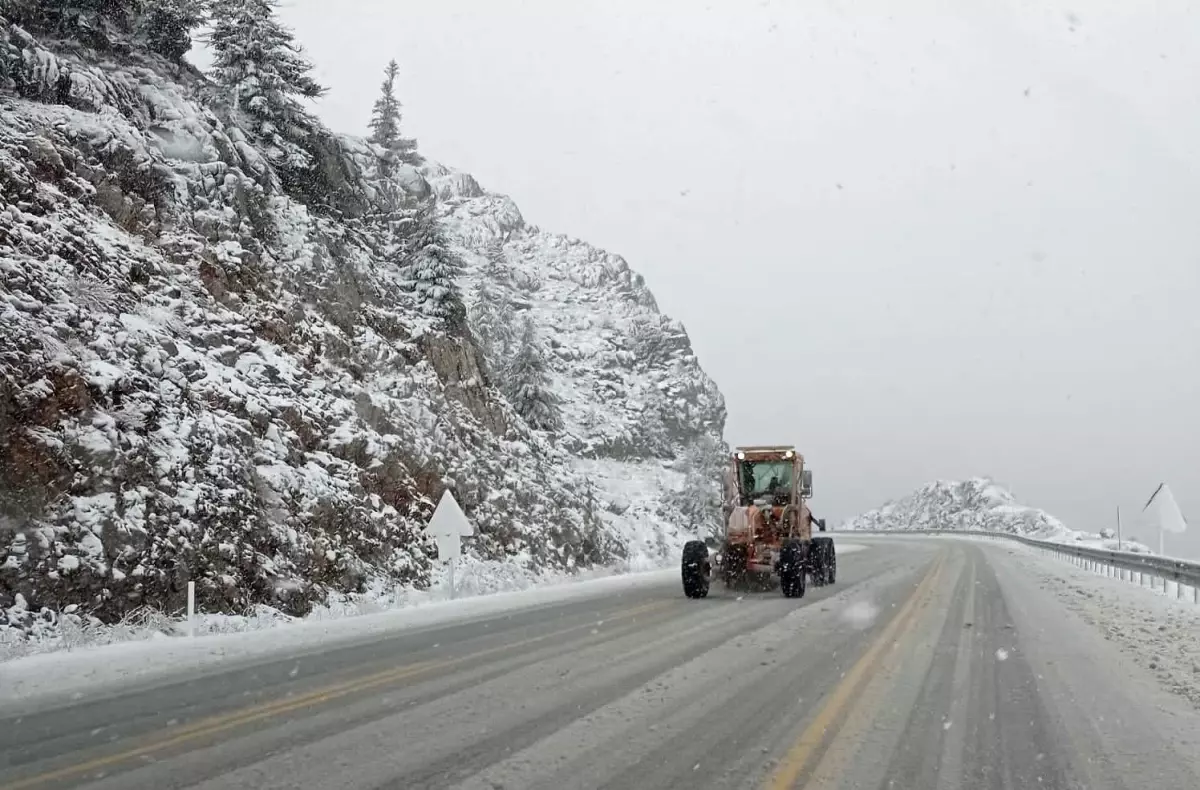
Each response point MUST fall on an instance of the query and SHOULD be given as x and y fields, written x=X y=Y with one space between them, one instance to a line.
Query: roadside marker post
x=191 y=609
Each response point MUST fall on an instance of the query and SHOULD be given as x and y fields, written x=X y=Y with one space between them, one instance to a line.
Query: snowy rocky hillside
x=976 y=504
x=217 y=363
x=628 y=393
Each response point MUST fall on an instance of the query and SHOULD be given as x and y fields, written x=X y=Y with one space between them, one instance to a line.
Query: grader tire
x=792 y=569
x=696 y=569
x=824 y=560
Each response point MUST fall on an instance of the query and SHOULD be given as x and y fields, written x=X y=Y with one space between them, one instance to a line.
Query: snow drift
x=205 y=376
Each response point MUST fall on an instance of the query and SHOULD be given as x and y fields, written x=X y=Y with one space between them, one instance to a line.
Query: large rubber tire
x=823 y=561
x=793 y=562
x=733 y=567
x=696 y=569
x=816 y=564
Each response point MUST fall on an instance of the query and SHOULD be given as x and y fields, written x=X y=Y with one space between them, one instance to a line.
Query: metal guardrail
x=1122 y=564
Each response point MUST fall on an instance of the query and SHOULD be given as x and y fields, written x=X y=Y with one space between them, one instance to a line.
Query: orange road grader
x=768 y=536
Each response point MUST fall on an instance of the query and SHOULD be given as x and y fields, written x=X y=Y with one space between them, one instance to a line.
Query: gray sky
x=962 y=240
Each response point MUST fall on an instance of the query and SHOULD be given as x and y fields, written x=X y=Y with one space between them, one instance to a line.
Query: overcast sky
x=962 y=240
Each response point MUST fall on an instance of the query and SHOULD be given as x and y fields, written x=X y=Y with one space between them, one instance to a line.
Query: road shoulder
x=51 y=679
x=1123 y=728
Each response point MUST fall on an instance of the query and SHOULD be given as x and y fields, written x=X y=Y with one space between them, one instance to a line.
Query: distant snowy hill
x=976 y=504
x=208 y=375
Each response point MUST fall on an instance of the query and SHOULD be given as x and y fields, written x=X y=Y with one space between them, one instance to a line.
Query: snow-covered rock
x=977 y=504
x=205 y=378
x=633 y=397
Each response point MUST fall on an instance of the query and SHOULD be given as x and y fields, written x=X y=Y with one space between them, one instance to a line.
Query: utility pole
x=1118 y=527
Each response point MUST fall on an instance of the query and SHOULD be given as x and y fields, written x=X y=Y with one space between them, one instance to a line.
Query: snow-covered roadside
x=1159 y=632
x=65 y=675
x=140 y=656
x=474 y=577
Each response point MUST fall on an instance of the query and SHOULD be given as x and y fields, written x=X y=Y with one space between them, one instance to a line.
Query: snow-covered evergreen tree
x=166 y=25
x=527 y=383
x=385 y=126
x=698 y=503
x=493 y=320
x=496 y=268
x=430 y=266
x=162 y=26
x=496 y=262
x=651 y=431
x=257 y=59
x=101 y=24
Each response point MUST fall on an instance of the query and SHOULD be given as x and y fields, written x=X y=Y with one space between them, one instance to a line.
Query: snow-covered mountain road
x=930 y=664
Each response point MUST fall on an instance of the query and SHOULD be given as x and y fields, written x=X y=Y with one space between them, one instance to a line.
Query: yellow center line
x=238 y=718
x=814 y=735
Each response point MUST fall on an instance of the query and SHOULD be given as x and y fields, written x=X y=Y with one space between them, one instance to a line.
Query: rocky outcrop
x=978 y=504
x=642 y=422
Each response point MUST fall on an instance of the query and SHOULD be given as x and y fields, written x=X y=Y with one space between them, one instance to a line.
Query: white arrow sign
x=1166 y=512
x=449 y=526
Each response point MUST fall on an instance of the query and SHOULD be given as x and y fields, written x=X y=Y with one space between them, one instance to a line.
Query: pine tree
x=527 y=383
x=495 y=254
x=430 y=266
x=699 y=501
x=257 y=59
x=100 y=24
x=166 y=25
x=492 y=319
x=651 y=427
x=496 y=268
x=385 y=126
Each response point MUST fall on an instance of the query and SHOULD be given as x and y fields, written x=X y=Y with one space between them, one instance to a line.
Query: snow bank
x=50 y=677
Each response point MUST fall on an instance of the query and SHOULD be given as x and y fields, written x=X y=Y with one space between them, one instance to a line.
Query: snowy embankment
x=66 y=671
x=473 y=578
x=980 y=504
x=71 y=674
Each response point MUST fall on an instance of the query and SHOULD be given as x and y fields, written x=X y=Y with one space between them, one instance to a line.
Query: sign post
x=448 y=526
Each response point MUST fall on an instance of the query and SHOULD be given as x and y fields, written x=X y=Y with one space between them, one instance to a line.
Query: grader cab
x=768 y=529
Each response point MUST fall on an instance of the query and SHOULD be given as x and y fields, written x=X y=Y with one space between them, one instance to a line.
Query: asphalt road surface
x=930 y=665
